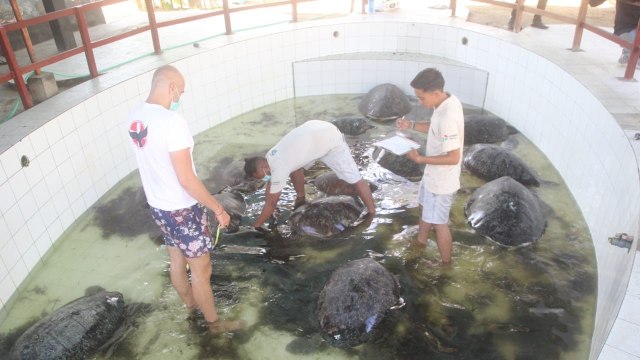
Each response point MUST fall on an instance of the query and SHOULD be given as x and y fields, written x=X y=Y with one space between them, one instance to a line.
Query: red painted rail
x=17 y=72
x=579 y=22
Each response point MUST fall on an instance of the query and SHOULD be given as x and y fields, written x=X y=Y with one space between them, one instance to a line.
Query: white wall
x=81 y=152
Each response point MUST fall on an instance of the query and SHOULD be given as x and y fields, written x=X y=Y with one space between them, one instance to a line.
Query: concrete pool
x=78 y=153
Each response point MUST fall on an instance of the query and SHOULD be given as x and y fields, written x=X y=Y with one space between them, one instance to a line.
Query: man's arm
x=270 y=202
x=181 y=161
x=450 y=158
x=423 y=126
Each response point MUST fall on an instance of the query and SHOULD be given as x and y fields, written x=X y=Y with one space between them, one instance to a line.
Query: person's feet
x=624 y=59
x=225 y=326
x=538 y=24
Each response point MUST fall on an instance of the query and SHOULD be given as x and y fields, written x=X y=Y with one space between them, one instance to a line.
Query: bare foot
x=225 y=326
x=436 y=264
x=421 y=242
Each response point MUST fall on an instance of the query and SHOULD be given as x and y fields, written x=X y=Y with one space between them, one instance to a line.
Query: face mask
x=266 y=177
x=175 y=105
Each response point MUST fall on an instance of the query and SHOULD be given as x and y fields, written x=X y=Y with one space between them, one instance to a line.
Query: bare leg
x=203 y=295
x=179 y=277
x=444 y=240
x=297 y=179
x=364 y=192
x=423 y=231
x=201 y=286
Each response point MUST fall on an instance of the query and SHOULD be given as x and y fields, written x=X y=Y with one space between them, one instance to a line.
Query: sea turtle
x=75 y=331
x=330 y=184
x=385 y=102
x=354 y=301
x=234 y=177
x=352 y=126
x=479 y=128
x=234 y=204
x=490 y=162
x=326 y=216
x=506 y=212
x=399 y=165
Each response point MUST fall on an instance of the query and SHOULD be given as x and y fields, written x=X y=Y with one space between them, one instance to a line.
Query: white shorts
x=435 y=207
x=339 y=159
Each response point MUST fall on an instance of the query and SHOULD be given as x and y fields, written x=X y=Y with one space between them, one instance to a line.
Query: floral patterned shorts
x=187 y=229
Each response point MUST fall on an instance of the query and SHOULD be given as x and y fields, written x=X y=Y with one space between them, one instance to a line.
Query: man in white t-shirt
x=443 y=157
x=298 y=150
x=163 y=147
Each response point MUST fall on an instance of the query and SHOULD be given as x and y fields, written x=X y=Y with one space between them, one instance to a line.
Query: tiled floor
x=595 y=66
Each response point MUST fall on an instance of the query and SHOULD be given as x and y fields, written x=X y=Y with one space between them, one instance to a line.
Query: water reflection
x=492 y=303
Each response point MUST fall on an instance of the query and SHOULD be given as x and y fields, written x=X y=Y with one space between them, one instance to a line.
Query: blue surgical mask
x=266 y=177
x=175 y=105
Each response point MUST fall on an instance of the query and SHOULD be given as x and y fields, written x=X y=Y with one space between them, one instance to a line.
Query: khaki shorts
x=339 y=159
x=435 y=207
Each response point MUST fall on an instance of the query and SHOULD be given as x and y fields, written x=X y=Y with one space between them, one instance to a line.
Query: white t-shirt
x=155 y=132
x=300 y=148
x=446 y=133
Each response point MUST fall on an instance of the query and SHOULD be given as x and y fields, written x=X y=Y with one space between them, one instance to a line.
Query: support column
x=62 y=28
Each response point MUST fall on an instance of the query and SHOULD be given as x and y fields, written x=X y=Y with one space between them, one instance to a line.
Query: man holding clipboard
x=442 y=159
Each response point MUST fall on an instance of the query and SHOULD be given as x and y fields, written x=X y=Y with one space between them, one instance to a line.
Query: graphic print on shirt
x=138 y=133
x=449 y=137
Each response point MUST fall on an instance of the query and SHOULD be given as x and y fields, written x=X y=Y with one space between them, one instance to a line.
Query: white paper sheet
x=398 y=145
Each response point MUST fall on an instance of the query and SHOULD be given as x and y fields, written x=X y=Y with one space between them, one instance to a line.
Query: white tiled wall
x=79 y=154
x=358 y=74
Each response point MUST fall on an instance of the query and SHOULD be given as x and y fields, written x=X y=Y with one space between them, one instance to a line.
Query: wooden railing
x=579 y=22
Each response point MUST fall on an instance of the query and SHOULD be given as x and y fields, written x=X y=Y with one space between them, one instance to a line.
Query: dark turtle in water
x=326 y=216
x=75 y=331
x=506 y=212
x=385 y=102
x=354 y=301
x=352 y=126
x=490 y=162
x=330 y=184
x=398 y=164
x=234 y=177
x=479 y=128
x=234 y=204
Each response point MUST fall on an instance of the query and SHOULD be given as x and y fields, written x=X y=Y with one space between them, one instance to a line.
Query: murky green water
x=536 y=302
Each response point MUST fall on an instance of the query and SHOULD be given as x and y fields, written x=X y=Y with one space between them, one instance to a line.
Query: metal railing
x=87 y=47
x=579 y=22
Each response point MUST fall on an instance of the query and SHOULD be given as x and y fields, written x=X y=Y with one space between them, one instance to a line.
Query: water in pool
x=492 y=303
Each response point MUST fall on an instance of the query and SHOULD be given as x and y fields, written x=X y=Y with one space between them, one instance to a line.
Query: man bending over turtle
x=298 y=150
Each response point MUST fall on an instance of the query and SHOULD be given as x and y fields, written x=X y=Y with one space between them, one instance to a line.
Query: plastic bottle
x=372 y=6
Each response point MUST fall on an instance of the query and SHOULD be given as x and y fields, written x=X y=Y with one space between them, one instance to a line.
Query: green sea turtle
x=325 y=217
x=354 y=301
x=385 y=102
x=490 y=162
x=506 y=212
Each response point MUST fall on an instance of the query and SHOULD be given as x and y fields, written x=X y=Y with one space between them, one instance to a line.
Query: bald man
x=163 y=146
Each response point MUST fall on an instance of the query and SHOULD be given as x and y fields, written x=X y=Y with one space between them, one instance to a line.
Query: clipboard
x=398 y=145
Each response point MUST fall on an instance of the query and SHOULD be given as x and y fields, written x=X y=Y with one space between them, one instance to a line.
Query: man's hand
x=403 y=123
x=223 y=219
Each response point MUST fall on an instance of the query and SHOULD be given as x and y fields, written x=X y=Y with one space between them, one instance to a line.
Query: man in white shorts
x=443 y=157
x=298 y=150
